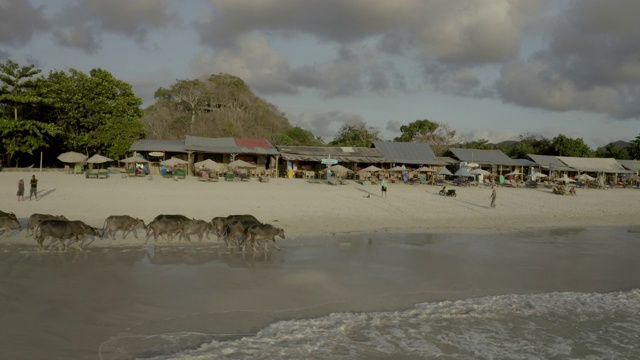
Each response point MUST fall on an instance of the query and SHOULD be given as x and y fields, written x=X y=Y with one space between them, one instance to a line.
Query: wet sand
x=125 y=302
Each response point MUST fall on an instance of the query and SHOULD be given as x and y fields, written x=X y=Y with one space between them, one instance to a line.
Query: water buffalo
x=170 y=227
x=9 y=223
x=197 y=227
x=220 y=223
x=9 y=215
x=35 y=219
x=264 y=232
x=175 y=217
x=62 y=230
x=126 y=223
x=237 y=227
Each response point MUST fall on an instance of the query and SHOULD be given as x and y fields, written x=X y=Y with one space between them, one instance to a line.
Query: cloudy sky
x=490 y=69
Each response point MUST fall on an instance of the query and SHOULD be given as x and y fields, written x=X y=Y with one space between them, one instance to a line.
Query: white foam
x=535 y=326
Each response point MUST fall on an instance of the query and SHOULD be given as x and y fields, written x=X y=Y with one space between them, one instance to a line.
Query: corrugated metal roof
x=448 y=160
x=607 y=165
x=343 y=154
x=483 y=157
x=408 y=153
x=633 y=165
x=158 y=145
x=544 y=161
x=525 y=162
x=228 y=146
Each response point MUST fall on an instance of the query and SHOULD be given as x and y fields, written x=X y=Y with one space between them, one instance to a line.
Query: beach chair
x=203 y=176
x=244 y=177
x=90 y=175
x=230 y=176
x=180 y=174
x=263 y=178
x=103 y=174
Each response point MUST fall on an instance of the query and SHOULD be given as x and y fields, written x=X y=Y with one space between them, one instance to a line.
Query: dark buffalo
x=195 y=227
x=264 y=232
x=169 y=227
x=218 y=224
x=62 y=230
x=237 y=227
x=124 y=223
x=175 y=217
x=9 y=223
x=35 y=219
x=9 y=215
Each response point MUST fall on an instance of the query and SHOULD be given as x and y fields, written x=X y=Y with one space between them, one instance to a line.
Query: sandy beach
x=310 y=209
x=349 y=254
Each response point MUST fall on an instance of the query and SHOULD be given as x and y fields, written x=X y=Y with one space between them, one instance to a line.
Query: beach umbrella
x=173 y=162
x=371 y=168
x=72 y=157
x=464 y=172
x=513 y=173
x=397 y=168
x=240 y=164
x=443 y=171
x=339 y=169
x=565 y=179
x=537 y=175
x=585 y=177
x=134 y=160
x=480 y=172
x=98 y=159
x=208 y=164
x=425 y=169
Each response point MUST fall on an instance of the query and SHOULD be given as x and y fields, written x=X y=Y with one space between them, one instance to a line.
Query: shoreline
x=306 y=209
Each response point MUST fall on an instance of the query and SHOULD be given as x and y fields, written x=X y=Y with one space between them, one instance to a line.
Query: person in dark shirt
x=34 y=187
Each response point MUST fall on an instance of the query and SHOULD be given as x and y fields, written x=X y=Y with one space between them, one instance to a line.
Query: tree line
x=98 y=113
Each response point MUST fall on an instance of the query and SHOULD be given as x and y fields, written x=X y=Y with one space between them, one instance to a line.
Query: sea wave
x=522 y=326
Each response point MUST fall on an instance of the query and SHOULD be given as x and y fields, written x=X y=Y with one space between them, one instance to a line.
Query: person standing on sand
x=34 y=187
x=21 y=189
x=384 y=187
x=493 y=196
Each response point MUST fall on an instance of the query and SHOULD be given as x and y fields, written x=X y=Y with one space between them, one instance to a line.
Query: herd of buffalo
x=233 y=229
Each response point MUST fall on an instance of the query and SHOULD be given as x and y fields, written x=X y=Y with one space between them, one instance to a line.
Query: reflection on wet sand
x=199 y=254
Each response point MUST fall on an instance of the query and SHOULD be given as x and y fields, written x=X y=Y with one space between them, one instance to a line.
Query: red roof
x=253 y=143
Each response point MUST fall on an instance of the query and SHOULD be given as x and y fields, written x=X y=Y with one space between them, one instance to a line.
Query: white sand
x=304 y=208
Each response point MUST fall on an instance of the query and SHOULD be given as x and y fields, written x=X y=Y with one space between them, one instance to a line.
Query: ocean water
x=559 y=325
x=571 y=293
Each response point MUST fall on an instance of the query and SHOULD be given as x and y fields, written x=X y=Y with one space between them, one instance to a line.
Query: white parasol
x=240 y=164
x=371 y=168
x=134 y=160
x=98 y=159
x=208 y=164
x=173 y=162
x=72 y=157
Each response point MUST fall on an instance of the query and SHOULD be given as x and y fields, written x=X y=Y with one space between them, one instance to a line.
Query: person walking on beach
x=34 y=187
x=384 y=187
x=21 y=189
x=493 y=196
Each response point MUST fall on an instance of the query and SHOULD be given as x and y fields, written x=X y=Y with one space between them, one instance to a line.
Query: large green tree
x=528 y=144
x=356 y=134
x=439 y=136
x=634 y=148
x=566 y=146
x=612 y=151
x=19 y=131
x=218 y=106
x=97 y=112
x=297 y=136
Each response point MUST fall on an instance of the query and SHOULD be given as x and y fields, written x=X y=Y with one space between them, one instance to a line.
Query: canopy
x=443 y=171
x=173 y=162
x=464 y=172
x=425 y=169
x=565 y=179
x=72 y=157
x=537 y=175
x=240 y=164
x=209 y=164
x=98 y=159
x=339 y=169
x=134 y=159
x=585 y=177
x=371 y=168
x=480 y=172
